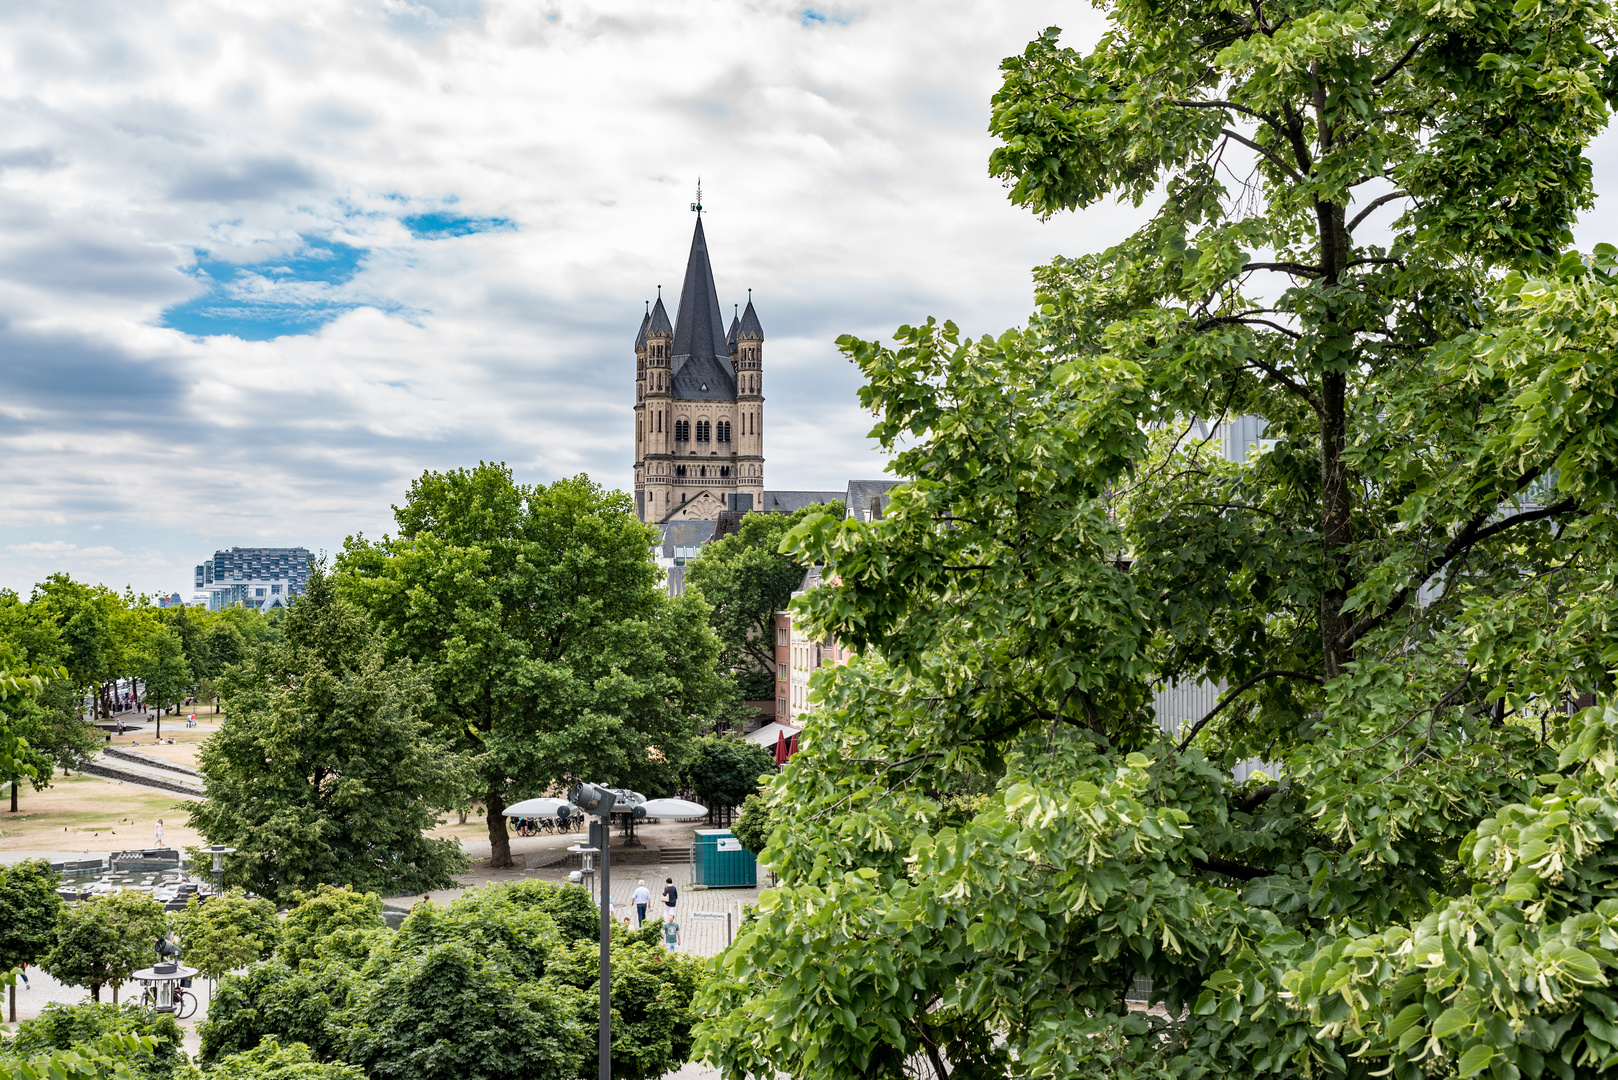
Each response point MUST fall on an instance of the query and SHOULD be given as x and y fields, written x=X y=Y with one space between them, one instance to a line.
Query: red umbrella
x=780 y=746
x=792 y=747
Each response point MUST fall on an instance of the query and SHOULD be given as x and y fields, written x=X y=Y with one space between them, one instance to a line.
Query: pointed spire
x=735 y=321
x=646 y=321
x=750 y=327
x=658 y=321
x=700 y=356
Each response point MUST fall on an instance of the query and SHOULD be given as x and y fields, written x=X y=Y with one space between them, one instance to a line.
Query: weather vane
x=697 y=206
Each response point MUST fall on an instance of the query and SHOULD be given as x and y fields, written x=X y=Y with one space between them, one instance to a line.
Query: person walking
x=158 y=832
x=643 y=896
x=671 y=936
x=671 y=896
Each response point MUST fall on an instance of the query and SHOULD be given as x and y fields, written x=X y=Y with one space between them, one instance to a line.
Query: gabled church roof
x=659 y=318
x=749 y=327
x=700 y=358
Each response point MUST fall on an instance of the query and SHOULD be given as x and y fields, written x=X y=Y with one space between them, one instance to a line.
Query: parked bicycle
x=185 y=1002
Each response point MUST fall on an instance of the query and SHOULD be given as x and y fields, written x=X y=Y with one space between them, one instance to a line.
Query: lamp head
x=593 y=799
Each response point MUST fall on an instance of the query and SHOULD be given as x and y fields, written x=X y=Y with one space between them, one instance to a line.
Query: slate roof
x=861 y=493
x=640 y=338
x=750 y=327
x=659 y=323
x=730 y=338
x=683 y=534
x=785 y=502
x=700 y=358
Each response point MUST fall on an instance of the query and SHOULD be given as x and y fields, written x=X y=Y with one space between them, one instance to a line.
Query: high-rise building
x=699 y=403
x=254 y=577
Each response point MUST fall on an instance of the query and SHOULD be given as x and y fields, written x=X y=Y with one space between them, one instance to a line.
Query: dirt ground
x=87 y=813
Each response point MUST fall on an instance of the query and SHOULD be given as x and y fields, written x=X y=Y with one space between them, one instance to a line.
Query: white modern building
x=260 y=578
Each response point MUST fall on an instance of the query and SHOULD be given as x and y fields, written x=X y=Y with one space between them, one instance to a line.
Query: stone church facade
x=699 y=403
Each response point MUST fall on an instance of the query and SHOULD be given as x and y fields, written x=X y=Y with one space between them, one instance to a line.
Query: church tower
x=699 y=403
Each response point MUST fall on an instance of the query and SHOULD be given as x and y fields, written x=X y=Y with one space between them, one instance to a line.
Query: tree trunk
x=13 y=1003
x=499 y=838
x=1335 y=503
x=115 y=993
x=14 y=796
x=95 y=993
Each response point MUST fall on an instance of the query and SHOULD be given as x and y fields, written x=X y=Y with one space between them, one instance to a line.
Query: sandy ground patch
x=88 y=813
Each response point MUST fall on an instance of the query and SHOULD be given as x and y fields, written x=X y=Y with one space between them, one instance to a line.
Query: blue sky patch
x=296 y=294
x=440 y=224
x=815 y=17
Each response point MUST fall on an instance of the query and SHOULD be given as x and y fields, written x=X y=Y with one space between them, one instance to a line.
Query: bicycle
x=185 y=1002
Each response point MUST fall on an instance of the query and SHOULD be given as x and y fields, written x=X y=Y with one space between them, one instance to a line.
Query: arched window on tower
x=704 y=431
x=724 y=431
x=682 y=431
x=679 y=470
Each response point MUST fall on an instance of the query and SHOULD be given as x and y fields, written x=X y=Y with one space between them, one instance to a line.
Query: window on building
x=704 y=431
x=682 y=431
x=724 y=470
x=275 y=590
x=780 y=706
x=781 y=636
x=781 y=672
x=679 y=470
x=724 y=431
x=258 y=592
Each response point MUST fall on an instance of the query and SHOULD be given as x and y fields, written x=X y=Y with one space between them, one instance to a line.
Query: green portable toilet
x=718 y=861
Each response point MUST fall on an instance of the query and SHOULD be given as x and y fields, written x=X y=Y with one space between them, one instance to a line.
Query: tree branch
x=1373 y=204
x=1269 y=154
x=1236 y=870
x=1287 y=267
x=1273 y=121
x=1257 y=798
x=1409 y=55
x=1302 y=391
x=1273 y=673
x=1474 y=532
x=1372 y=259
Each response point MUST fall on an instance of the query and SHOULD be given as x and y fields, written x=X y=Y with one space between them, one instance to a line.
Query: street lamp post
x=599 y=801
x=219 y=851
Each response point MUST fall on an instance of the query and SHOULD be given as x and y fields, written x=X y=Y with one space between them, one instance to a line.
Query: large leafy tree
x=28 y=910
x=747 y=579
x=104 y=940
x=555 y=652
x=1399 y=602
x=326 y=771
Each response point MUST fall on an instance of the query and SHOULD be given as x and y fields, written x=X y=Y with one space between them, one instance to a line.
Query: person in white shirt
x=159 y=832
x=643 y=896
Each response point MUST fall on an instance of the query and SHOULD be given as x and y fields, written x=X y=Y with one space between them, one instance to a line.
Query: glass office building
x=254 y=577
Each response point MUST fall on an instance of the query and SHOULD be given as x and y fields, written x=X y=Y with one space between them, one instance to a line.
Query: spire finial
x=697 y=206
x=648 y=309
x=749 y=296
x=660 y=292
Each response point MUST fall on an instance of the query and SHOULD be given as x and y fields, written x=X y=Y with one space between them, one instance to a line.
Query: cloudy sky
x=257 y=271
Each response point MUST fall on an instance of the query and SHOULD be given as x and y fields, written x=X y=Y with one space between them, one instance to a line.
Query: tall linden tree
x=1404 y=598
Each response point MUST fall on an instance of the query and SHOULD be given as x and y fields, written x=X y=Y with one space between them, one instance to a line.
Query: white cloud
x=247 y=160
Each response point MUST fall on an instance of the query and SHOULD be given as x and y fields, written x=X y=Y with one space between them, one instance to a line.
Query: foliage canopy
x=991 y=831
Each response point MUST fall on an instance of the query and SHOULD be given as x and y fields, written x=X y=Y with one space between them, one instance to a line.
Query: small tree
x=104 y=940
x=651 y=1001
x=66 y=1027
x=724 y=771
x=228 y=932
x=29 y=908
x=327 y=912
x=747 y=580
x=269 y=1060
x=273 y=1000
x=162 y=666
x=449 y=1014
x=755 y=823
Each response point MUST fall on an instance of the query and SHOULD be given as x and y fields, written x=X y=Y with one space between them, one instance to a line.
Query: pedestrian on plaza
x=643 y=896
x=23 y=971
x=671 y=895
x=671 y=936
x=159 y=832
